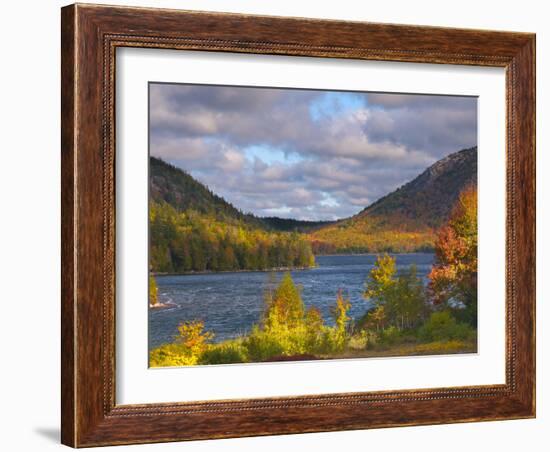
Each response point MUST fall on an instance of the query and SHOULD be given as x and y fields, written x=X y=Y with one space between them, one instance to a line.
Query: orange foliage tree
x=453 y=278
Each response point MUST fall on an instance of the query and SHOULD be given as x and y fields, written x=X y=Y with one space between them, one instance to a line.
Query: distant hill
x=179 y=189
x=405 y=219
x=194 y=230
x=290 y=224
x=428 y=199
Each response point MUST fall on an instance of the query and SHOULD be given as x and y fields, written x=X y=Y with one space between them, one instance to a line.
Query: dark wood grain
x=68 y=311
x=90 y=36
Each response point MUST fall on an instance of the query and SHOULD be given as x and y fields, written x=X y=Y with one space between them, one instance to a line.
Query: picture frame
x=90 y=36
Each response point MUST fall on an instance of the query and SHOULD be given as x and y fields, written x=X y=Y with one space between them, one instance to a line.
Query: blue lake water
x=230 y=303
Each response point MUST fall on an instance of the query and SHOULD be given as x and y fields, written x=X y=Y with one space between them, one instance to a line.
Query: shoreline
x=277 y=269
x=375 y=254
x=208 y=272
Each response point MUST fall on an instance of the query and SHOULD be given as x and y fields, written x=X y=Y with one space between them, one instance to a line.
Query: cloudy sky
x=305 y=154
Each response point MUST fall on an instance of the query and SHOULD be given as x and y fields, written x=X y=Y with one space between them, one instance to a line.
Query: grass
x=235 y=352
x=430 y=348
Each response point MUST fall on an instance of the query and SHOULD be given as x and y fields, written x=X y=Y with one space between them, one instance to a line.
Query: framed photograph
x=281 y=225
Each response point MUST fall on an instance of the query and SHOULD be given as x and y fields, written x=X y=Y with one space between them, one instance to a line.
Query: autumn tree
x=408 y=306
x=187 y=349
x=398 y=299
x=193 y=241
x=376 y=319
x=314 y=326
x=381 y=280
x=287 y=329
x=285 y=305
x=192 y=336
x=453 y=278
x=340 y=315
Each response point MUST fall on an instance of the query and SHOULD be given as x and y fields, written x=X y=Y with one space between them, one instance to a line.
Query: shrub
x=314 y=330
x=359 y=341
x=398 y=299
x=331 y=341
x=443 y=326
x=171 y=355
x=289 y=329
x=465 y=314
x=264 y=344
x=185 y=350
x=337 y=336
x=224 y=353
x=372 y=339
x=390 y=336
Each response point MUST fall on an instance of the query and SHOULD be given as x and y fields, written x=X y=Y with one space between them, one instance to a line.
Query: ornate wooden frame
x=90 y=35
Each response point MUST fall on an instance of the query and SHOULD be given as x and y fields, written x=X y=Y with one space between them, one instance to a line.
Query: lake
x=230 y=303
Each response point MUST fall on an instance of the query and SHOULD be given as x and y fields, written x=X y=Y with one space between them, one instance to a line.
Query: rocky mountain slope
x=405 y=220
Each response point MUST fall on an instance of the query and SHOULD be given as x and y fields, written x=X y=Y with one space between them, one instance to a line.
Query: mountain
x=406 y=219
x=178 y=188
x=290 y=224
x=193 y=230
x=427 y=200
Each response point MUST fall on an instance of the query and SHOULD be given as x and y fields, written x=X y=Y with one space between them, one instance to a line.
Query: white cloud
x=351 y=157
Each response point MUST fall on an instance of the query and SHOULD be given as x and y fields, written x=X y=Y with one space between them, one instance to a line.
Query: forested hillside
x=406 y=219
x=192 y=229
x=173 y=186
x=290 y=224
x=428 y=199
x=185 y=241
